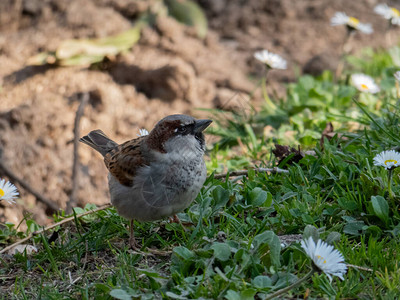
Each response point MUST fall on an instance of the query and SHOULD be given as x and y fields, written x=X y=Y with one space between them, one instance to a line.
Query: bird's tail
x=99 y=141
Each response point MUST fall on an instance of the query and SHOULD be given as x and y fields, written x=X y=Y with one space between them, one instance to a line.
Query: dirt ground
x=169 y=71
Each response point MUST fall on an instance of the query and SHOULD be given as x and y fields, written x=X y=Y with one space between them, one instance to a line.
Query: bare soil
x=169 y=71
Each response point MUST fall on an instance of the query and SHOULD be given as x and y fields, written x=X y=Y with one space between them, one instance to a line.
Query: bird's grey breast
x=173 y=181
x=166 y=185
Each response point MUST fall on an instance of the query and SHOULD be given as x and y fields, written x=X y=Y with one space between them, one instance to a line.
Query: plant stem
x=271 y=106
x=346 y=48
x=390 y=173
x=288 y=288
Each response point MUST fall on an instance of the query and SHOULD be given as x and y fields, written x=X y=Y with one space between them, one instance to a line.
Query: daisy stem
x=390 y=173
x=267 y=99
x=345 y=51
x=288 y=288
x=388 y=37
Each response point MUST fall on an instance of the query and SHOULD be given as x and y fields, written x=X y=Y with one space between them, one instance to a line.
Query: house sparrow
x=156 y=175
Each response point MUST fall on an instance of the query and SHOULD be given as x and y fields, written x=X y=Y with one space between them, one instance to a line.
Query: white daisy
x=341 y=18
x=397 y=75
x=8 y=191
x=395 y=21
x=389 y=13
x=364 y=83
x=143 y=132
x=272 y=60
x=387 y=159
x=325 y=257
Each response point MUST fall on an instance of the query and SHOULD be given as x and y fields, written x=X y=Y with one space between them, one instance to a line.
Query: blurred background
x=136 y=61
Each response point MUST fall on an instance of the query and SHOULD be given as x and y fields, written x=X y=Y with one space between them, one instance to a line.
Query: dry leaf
x=22 y=248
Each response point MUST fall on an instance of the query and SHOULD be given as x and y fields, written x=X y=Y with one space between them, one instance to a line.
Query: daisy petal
x=325 y=258
x=389 y=13
x=340 y=18
x=272 y=60
x=364 y=83
x=143 y=132
x=387 y=159
x=397 y=75
x=8 y=191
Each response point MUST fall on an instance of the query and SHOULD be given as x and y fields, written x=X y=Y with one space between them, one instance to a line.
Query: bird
x=156 y=175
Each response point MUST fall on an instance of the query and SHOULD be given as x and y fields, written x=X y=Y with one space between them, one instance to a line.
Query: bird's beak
x=200 y=125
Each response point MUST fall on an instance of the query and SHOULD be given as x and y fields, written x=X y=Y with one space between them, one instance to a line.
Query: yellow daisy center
x=1 y=193
x=353 y=21
x=395 y=11
x=321 y=258
x=364 y=86
x=386 y=162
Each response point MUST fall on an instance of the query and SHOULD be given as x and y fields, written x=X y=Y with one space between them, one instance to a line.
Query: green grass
x=233 y=250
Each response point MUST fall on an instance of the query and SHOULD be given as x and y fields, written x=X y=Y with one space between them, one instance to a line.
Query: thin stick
x=75 y=166
x=15 y=179
x=246 y=172
x=86 y=255
x=360 y=268
x=55 y=225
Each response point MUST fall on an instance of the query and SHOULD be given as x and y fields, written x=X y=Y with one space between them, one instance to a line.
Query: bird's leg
x=174 y=219
x=132 y=241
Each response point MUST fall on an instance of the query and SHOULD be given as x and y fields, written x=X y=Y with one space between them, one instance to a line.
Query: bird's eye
x=181 y=129
x=184 y=129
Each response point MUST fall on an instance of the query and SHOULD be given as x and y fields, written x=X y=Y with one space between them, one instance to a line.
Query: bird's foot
x=175 y=219
x=133 y=244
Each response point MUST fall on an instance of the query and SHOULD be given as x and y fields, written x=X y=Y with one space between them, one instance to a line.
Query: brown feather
x=99 y=141
x=124 y=160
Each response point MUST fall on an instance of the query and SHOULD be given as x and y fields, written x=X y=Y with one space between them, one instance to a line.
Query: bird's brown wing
x=124 y=160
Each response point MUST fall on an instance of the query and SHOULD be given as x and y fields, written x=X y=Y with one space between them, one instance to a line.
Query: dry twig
x=15 y=179
x=54 y=225
x=360 y=268
x=246 y=172
x=75 y=166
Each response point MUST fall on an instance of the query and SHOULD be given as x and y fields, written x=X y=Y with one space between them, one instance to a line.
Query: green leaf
x=270 y=246
x=32 y=225
x=354 y=228
x=333 y=237
x=374 y=230
x=174 y=296
x=184 y=253
x=242 y=257
x=78 y=210
x=395 y=55
x=285 y=279
x=248 y=294
x=189 y=13
x=120 y=294
x=258 y=196
x=251 y=174
x=221 y=251
x=220 y=196
x=101 y=287
x=347 y=204
x=381 y=208
x=307 y=219
x=232 y=295
x=85 y=52
x=310 y=230
x=262 y=282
